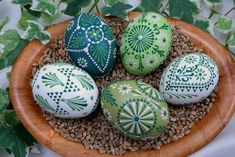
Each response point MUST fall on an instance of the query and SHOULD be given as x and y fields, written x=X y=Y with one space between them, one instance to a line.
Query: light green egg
x=135 y=108
x=145 y=43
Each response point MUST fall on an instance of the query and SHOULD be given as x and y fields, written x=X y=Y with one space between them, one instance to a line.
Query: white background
x=223 y=145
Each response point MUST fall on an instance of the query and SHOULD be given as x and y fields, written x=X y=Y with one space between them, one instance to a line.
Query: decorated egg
x=65 y=90
x=145 y=43
x=189 y=78
x=135 y=108
x=91 y=44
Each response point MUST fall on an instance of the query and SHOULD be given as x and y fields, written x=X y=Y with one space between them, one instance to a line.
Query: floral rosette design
x=146 y=43
x=137 y=114
x=91 y=44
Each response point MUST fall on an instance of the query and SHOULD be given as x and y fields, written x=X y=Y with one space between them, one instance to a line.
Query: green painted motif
x=71 y=92
x=146 y=43
x=50 y=79
x=85 y=81
x=135 y=113
x=44 y=103
x=189 y=78
x=76 y=103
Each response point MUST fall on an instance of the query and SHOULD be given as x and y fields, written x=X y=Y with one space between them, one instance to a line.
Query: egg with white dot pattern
x=91 y=44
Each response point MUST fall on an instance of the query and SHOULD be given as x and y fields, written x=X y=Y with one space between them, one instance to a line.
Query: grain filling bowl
x=202 y=133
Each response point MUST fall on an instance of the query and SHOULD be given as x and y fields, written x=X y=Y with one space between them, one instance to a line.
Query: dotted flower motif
x=162 y=40
x=200 y=74
x=164 y=114
x=82 y=62
x=151 y=61
x=131 y=64
x=113 y=86
x=190 y=59
x=107 y=114
x=94 y=34
x=124 y=89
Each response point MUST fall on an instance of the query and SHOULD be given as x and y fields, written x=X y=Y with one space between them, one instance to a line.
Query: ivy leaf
x=149 y=6
x=213 y=2
x=11 y=140
x=45 y=6
x=231 y=41
x=224 y=24
x=8 y=58
x=9 y=118
x=35 y=30
x=25 y=15
x=183 y=9
x=109 y=3
x=204 y=24
x=4 y=100
x=4 y=22
x=119 y=9
x=47 y=20
x=9 y=40
x=21 y=2
x=74 y=7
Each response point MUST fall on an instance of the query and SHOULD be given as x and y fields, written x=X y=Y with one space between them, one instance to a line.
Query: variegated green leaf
x=4 y=22
x=119 y=9
x=21 y=1
x=204 y=24
x=224 y=24
x=4 y=100
x=231 y=41
x=9 y=40
x=47 y=20
x=110 y=3
x=35 y=30
x=184 y=9
x=74 y=7
x=149 y=6
x=213 y=2
x=25 y=15
x=45 y=6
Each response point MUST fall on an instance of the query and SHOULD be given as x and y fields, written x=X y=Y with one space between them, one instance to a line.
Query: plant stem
x=212 y=13
x=94 y=5
x=233 y=8
x=97 y=9
x=227 y=38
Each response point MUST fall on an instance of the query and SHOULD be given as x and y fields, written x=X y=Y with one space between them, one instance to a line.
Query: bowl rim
x=29 y=113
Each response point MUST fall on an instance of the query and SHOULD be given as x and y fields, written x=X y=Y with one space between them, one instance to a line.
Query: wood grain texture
x=202 y=133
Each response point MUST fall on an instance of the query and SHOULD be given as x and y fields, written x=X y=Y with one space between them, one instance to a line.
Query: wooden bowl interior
x=202 y=133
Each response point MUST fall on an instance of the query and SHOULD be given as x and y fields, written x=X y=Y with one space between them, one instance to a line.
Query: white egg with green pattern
x=65 y=90
x=189 y=79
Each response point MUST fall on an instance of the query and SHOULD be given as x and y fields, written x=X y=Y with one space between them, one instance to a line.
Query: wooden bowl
x=202 y=132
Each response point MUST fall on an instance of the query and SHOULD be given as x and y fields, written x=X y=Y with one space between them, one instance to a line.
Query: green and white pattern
x=91 y=44
x=65 y=90
x=135 y=108
x=146 y=43
x=189 y=78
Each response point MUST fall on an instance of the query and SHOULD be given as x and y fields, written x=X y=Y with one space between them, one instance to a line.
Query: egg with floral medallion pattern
x=145 y=43
x=91 y=44
x=135 y=108
x=189 y=79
